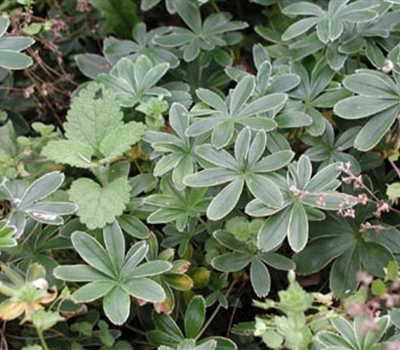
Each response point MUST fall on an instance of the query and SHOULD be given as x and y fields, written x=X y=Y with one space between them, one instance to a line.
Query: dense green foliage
x=165 y=166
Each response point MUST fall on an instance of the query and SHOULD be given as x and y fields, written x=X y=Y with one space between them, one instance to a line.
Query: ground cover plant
x=199 y=174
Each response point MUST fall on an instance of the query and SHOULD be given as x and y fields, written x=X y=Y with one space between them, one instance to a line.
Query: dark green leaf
x=260 y=278
x=195 y=316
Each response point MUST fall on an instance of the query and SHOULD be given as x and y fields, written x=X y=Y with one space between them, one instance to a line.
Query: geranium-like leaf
x=69 y=152
x=121 y=139
x=92 y=116
x=98 y=205
x=94 y=127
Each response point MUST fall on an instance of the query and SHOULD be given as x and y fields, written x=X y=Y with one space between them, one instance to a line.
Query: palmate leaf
x=177 y=150
x=305 y=98
x=291 y=217
x=110 y=200
x=92 y=116
x=247 y=254
x=237 y=109
x=245 y=168
x=74 y=153
x=348 y=250
x=114 y=276
x=201 y=36
x=94 y=129
x=329 y=24
x=133 y=81
x=176 y=205
x=142 y=44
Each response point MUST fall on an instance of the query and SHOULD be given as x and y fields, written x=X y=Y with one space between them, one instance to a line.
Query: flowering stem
x=42 y=340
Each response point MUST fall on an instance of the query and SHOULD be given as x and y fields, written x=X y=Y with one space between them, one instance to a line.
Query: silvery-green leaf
x=42 y=188
x=222 y=134
x=231 y=262
x=4 y=23
x=263 y=104
x=375 y=129
x=92 y=252
x=115 y=244
x=116 y=305
x=92 y=291
x=212 y=99
x=370 y=85
x=242 y=145
x=357 y=107
x=220 y=158
x=273 y=162
x=150 y=268
x=79 y=273
x=299 y=28
x=298 y=227
x=134 y=256
x=265 y=190
x=144 y=288
x=241 y=94
x=257 y=148
x=260 y=278
x=225 y=201
x=274 y=230
x=14 y=60
x=15 y=43
x=210 y=177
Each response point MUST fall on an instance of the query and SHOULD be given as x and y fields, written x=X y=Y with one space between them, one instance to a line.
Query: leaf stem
x=394 y=166
x=136 y=330
x=215 y=313
x=42 y=340
x=137 y=166
x=204 y=223
x=215 y=6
